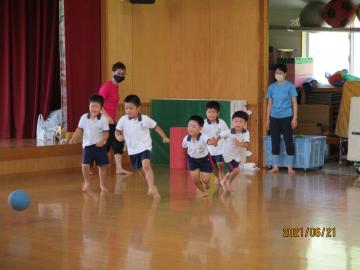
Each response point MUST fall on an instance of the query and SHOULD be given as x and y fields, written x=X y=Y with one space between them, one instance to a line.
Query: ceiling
x=296 y=4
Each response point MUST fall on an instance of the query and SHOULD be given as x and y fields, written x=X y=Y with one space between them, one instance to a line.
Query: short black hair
x=281 y=67
x=213 y=105
x=197 y=119
x=240 y=114
x=134 y=99
x=118 y=65
x=97 y=98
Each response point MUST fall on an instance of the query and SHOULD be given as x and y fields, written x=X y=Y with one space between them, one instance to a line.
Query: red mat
x=177 y=155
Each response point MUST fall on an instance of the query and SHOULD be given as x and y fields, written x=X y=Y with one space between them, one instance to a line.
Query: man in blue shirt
x=282 y=116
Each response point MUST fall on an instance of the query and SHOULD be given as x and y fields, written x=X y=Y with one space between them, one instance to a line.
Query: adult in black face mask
x=110 y=92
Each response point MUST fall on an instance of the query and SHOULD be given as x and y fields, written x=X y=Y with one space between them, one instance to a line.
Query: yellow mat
x=350 y=89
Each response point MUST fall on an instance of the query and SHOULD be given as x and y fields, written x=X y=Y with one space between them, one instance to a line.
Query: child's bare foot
x=154 y=193
x=203 y=194
x=123 y=171
x=291 y=170
x=229 y=187
x=274 y=170
x=103 y=188
x=223 y=184
x=85 y=187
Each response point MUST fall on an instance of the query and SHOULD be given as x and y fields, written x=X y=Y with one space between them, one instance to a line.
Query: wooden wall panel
x=234 y=49
x=190 y=49
x=151 y=50
x=116 y=35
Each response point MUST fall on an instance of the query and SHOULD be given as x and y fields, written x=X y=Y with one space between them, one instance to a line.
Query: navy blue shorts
x=203 y=164
x=93 y=153
x=232 y=165
x=136 y=160
x=216 y=159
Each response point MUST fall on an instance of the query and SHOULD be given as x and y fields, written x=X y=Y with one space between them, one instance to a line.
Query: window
x=333 y=51
x=356 y=49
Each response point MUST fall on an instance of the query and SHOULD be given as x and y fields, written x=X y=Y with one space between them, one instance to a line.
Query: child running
x=95 y=129
x=196 y=144
x=134 y=128
x=235 y=139
x=213 y=126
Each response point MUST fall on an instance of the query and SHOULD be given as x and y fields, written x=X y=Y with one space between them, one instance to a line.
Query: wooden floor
x=67 y=229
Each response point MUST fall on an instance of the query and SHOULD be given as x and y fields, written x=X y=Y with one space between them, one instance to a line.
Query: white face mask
x=279 y=77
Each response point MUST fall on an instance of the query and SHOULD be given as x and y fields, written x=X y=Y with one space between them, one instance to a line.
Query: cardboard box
x=309 y=129
x=315 y=114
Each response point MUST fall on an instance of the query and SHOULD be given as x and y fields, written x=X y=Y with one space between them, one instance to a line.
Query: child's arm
x=119 y=135
x=242 y=144
x=223 y=135
x=162 y=134
x=245 y=141
x=78 y=132
x=104 y=139
x=213 y=141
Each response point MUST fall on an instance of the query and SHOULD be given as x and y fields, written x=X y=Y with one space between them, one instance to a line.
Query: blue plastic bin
x=309 y=152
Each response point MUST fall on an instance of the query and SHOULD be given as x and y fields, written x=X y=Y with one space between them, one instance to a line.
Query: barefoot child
x=213 y=126
x=95 y=129
x=196 y=144
x=235 y=139
x=134 y=128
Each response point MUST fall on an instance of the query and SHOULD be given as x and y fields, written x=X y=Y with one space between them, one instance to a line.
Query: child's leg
x=223 y=181
x=231 y=178
x=195 y=175
x=118 y=165
x=102 y=176
x=205 y=178
x=118 y=149
x=149 y=176
x=216 y=173
x=220 y=168
x=85 y=171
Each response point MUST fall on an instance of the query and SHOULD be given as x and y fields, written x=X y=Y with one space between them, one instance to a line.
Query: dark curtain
x=29 y=64
x=83 y=56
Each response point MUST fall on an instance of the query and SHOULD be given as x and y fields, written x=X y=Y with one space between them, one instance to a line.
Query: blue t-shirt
x=281 y=95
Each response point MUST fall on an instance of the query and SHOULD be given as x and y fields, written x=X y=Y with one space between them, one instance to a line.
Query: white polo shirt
x=231 y=151
x=213 y=129
x=196 y=148
x=136 y=132
x=93 y=129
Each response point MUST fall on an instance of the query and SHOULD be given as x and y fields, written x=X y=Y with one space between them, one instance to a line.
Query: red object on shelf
x=177 y=155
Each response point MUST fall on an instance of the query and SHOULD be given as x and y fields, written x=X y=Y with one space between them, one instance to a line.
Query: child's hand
x=237 y=142
x=213 y=141
x=166 y=140
x=120 y=138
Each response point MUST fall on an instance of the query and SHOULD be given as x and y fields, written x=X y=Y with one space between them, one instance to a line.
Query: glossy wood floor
x=124 y=229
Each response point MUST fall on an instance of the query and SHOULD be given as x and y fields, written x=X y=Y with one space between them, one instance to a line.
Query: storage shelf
x=313 y=29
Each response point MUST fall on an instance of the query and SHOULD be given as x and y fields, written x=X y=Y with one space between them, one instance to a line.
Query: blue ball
x=19 y=200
